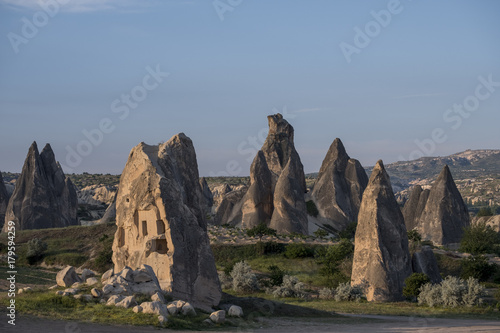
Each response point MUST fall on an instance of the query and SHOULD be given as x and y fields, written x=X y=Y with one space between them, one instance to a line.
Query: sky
x=395 y=80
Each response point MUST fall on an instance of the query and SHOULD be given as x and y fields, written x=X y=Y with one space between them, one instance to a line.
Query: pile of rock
x=121 y=289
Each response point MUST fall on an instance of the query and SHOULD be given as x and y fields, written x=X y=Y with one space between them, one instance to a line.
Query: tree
x=477 y=267
x=36 y=250
x=414 y=236
x=260 y=231
x=486 y=211
x=479 y=239
x=413 y=283
x=321 y=233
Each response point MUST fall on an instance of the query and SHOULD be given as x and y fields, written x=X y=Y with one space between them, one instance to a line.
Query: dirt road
x=378 y=324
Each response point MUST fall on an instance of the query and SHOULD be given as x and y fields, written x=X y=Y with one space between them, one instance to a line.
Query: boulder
x=158 y=297
x=162 y=319
x=96 y=293
x=126 y=274
x=43 y=197
x=445 y=215
x=137 y=309
x=108 y=289
x=161 y=222
x=155 y=308
x=381 y=257
x=188 y=310
x=235 y=311
x=86 y=273
x=67 y=277
x=424 y=261
x=172 y=309
x=107 y=275
x=91 y=281
x=127 y=302
x=114 y=299
x=218 y=317
x=339 y=188
x=72 y=291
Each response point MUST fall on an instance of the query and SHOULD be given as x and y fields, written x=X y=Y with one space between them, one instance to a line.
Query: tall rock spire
x=381 y=257
x=339 y=187
x=43 y=196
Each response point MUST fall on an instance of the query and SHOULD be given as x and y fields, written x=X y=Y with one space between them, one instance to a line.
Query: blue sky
x=226 y=75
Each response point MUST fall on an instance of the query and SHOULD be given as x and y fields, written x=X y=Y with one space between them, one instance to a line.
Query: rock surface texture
x=43 y=197
x=339 y=188
x=492 y=221
x=445 y=214
x=161 y=221
x=277 y=184
x=424 y=261
x=414 y=207
x=381 y=257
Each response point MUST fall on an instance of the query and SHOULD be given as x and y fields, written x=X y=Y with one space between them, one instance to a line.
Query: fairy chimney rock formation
x=43 y=197
x=415 y=206
x=277 y=183
x=445 y=214
x=207 y=197
x=161 y=222
x=4 y=200
x=381 y=257
x=339 y=187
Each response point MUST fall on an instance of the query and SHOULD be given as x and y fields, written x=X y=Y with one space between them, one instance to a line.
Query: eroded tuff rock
x=445 y=214
x=491 y=221
x=424 y=261
x=97 y=195
x=206 y=196
x=43 y=197
x=229 y=208
x=4 y=200
x=381 y=258
x=414 y=207
x=339 y=187
x=277 y=184
x=161 y=222
x=110 y=214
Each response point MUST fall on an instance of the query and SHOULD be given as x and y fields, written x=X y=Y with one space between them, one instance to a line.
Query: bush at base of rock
x=291 y=287
x=243 y=278
x=413 y=284
x=345 y=292
x=452 y=292
x=327 y=293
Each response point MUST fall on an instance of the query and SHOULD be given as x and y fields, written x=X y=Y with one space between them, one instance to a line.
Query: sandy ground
x=378 y=324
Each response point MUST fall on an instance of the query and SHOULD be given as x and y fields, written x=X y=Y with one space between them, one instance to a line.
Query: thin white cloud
x=419 y=95
x=84 y=6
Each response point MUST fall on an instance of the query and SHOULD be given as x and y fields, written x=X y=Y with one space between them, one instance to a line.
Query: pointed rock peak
x=179 y=138
x=33 y=148
x=379 y=165
x=48 y=153
x=445 y=175
x=337 y=149
x=47 y=148
x=278 y=125
x=379 y=175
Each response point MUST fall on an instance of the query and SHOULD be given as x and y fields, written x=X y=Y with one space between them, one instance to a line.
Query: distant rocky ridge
x=439 y=214
x=339 y=188
x=97 y=195
x=43 y=197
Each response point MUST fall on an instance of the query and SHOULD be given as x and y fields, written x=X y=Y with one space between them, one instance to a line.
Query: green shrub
x=350 y=231
x=413 y=284
x=291 y=287
x=226 y=281
x=276 y=275
x=414 y=236
x=260 y=231
x=332 y=259
x=479 y=239
x=103 y=261
x=243 y=278
x=262 y=248
x=486 y=211
x=477 y=267
x=36 y=250
x=312 y=210
x=452 y=292
x=321 y=233
x=298 y=250
x=345 y=292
